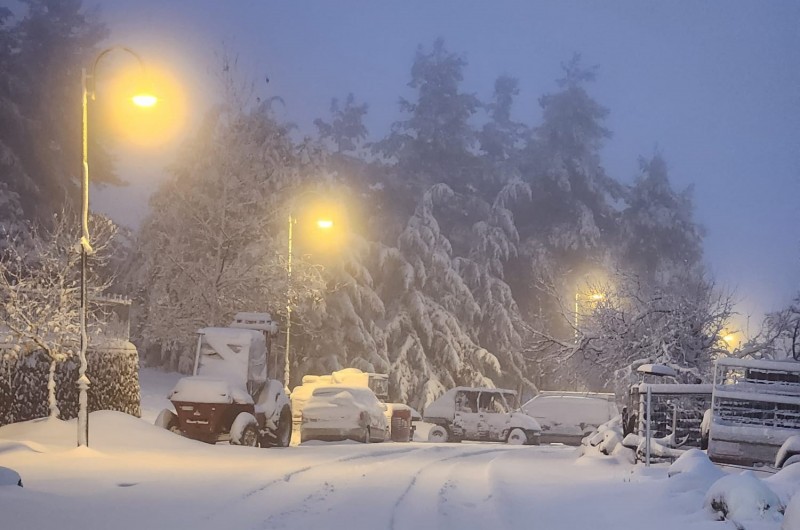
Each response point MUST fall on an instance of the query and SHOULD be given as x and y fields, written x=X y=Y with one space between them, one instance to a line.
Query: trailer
x=755 y=409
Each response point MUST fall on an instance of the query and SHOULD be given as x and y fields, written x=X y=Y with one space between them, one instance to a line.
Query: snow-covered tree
x=681 y=324
x=346 y=129
x=659 y=236
x=40 y=101
x=215 y=240
x=433 y=144
x=40 y=289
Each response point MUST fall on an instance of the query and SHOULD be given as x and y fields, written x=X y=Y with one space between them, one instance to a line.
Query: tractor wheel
x=168 y=420
x=244 y=430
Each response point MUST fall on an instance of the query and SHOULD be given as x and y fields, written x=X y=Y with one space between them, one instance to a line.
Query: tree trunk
x=51 y=391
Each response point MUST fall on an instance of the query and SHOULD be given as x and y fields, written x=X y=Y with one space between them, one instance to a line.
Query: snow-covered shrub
x=791 y=519
x=113 y=372
x=693 y=471
x=786 y=482
x=743 y=497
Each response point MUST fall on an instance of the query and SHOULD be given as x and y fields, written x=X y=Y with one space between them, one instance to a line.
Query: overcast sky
x=714 y=86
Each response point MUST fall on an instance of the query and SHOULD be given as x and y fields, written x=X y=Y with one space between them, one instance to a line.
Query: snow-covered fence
x=683 y=403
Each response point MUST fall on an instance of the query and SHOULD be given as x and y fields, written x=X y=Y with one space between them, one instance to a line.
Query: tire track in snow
x=467 y=499
x=427 y=469
x=352 y=458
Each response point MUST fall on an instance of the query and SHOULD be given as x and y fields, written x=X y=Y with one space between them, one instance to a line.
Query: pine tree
x=433 y=144
x=659 y=235
x=346 y=129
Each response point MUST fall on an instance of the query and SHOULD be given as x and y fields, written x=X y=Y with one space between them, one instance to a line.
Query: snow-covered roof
x=656 y=369
x=259 y=321
x=678 y=388
x=789 y=365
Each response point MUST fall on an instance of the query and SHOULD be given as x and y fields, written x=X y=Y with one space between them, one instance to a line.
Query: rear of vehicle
x=567 y=417
x=342 y=413
x=755 y=409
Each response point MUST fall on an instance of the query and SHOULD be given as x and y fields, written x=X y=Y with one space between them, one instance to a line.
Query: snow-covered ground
x=135 y=476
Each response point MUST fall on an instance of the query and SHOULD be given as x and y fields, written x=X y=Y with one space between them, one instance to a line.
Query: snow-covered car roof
x=355 y=398
x=676 y=388
x=570 y=412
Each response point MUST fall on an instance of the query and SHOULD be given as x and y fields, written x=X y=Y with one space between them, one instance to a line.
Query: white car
x=480 y=414
x=567 y=417
x=344 y=412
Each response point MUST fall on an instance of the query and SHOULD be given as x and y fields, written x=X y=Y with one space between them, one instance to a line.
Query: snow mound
x=786 y=483
x=791 y=519
x=743 y=497
x=109 y=431
x=694 y=471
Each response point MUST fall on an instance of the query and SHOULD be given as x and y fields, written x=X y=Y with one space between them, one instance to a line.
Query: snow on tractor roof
x=237 y=355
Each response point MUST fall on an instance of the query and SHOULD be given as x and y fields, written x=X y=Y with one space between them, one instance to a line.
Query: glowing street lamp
x=88 y=85
x=323 y=223
x=594 y=297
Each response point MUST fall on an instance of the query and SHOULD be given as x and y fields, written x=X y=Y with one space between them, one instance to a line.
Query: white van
x=567 y=417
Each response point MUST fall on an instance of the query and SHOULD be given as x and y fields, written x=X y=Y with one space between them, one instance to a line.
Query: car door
x=466 y=417
x=495 y=415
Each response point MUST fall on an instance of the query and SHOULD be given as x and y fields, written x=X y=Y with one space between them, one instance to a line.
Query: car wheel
x=517 y=437
x=438 y=434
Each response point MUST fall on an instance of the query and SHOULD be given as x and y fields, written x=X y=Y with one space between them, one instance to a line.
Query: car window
x=492 y=402
x=467 y=402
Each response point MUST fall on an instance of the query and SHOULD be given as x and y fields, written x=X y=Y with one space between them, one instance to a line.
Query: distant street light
x=593 y=297
x=88 y=86
x=323 y=223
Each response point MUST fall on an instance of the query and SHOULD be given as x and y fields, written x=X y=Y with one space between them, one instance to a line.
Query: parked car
x=344 y=412
x=9 y=477
x=567 y=417
x=480 y=414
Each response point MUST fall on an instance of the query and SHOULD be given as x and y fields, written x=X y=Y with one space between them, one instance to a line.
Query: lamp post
x=323 y=224
x=88 y=86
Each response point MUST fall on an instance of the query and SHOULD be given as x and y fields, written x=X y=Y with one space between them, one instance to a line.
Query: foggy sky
x=713 y=86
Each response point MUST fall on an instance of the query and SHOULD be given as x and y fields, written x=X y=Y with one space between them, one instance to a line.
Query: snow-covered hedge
x=113 y=371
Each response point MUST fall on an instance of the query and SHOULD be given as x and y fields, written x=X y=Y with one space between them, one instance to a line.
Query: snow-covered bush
x=693 y=471
x=113 y=372
x=743 y=497
x=791 y=519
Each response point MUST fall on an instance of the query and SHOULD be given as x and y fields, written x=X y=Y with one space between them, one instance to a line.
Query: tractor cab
x=230 y=396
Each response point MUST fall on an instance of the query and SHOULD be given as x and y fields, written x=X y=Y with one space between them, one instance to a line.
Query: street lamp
x=594 y=297
x=88 y=86
x=322 y=223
